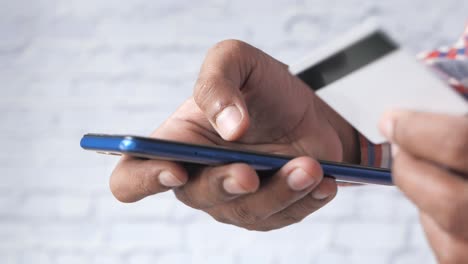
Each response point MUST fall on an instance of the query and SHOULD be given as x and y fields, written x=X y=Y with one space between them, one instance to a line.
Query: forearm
x=348 y=136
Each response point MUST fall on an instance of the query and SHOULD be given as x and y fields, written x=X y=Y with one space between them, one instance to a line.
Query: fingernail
x=320 y=194
x=233 y=187
x=299 y=180
x=168 y=179
x=228 y=120
x=386 y=127
x=394 y=150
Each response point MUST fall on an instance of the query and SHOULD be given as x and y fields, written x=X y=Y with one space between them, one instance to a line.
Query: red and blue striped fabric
x=457 y=51
x=438 y=59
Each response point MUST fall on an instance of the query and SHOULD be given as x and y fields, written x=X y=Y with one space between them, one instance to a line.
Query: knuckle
x=457 y=147
x=204 y=192
x=208 y=93
x=291 y=218
x=228 y=45
x=457 y=144
x=204 y=91
x=310 y=203
x=148 y=181
x=449 y=223
x=218 y=193
x=244 y=216
x=187 y=197
x=452 y=220
x=220 y=218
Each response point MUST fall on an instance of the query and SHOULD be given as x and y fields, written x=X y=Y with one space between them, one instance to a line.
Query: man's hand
x=430 y=166
x=245 y=99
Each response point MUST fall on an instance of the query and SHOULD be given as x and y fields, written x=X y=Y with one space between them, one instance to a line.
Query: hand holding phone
x=244 y=99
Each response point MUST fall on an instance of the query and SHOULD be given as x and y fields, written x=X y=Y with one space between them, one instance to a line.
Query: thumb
x=226 y=69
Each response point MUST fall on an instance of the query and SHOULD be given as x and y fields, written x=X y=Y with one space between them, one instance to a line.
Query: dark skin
x=430 y=166
x=245 y=99
x=235 y=105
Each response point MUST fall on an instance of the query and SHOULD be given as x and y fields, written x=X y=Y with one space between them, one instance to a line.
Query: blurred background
x=71 y=67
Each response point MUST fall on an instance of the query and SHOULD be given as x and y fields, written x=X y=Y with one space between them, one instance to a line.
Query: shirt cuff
x=373 y=155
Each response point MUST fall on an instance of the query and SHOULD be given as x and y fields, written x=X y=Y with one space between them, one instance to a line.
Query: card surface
x=365 y=73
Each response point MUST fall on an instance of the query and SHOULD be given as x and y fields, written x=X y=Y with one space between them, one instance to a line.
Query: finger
x=289 y=184
x=436 y=191
x=218 y=89
x=133 y=179
x=437 y=137
x=447 y=248
x=302 y=208
x=214 y=185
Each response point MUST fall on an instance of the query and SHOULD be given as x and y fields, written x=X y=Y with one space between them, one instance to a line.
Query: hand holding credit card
x=365 y=73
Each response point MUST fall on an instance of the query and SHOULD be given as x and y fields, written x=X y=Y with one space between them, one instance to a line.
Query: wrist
x=348 y=136
x=351 y=146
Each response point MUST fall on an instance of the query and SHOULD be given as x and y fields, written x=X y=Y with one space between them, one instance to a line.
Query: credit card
x=365 y=73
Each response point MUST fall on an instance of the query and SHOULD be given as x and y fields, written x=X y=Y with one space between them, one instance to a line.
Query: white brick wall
x=71 y=67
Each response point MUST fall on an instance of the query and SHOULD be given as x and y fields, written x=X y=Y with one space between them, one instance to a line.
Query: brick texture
x=71 y=67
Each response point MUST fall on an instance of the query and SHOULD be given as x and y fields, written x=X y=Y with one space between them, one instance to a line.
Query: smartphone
x=152 y=148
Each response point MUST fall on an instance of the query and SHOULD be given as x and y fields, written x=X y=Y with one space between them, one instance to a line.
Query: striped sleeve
x=374 y=155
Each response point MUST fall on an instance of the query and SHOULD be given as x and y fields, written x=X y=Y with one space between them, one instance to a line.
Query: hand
x=430 y=166
x=245 y=99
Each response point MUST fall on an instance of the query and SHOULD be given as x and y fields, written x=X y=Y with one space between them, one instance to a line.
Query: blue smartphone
x=152 y=148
